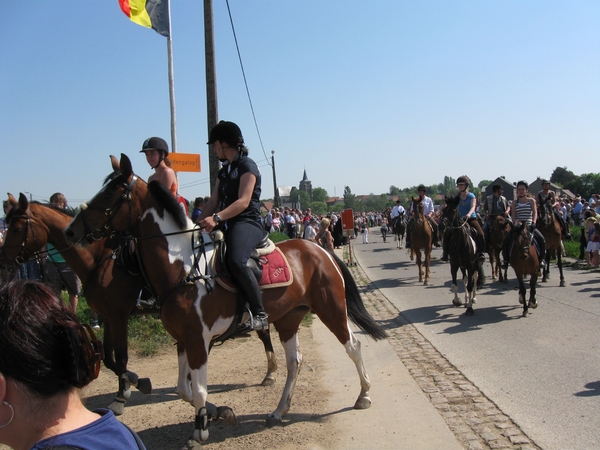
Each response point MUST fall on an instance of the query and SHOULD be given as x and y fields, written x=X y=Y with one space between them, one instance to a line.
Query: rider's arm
x=210 y=207
x=533 y=211
x=472 y=207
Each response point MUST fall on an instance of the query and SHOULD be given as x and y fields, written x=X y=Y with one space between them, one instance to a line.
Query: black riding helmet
x=155 y=143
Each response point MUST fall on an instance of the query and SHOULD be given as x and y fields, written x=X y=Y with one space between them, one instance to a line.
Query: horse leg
x=116 y=337
x=427 y=262
x=265 y=337
x=418 y=254
x=293 y=359
x=546 y=271
x=474 y=277
x=532 y=290
x=453 y=271
x=560 y=270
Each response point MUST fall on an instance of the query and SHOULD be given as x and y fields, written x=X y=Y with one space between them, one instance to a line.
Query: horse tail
x=355 y=307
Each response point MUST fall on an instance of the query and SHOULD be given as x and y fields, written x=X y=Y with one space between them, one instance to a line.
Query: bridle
x=24 y=255
x=104 y=231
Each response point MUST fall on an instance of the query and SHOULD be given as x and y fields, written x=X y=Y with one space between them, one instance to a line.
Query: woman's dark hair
x=42 y=344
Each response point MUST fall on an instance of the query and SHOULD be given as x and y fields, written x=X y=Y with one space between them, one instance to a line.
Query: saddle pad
x=275 y=272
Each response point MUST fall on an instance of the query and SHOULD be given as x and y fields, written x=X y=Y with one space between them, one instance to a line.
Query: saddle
x=269 y=265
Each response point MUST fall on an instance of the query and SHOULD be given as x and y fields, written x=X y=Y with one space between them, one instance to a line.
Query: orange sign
x=347 y=219
x=185 y=162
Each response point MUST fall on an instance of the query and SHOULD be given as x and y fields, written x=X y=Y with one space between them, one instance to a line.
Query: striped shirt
x=523 y=212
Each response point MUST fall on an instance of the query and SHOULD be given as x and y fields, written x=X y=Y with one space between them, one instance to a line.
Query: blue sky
x=360 y=94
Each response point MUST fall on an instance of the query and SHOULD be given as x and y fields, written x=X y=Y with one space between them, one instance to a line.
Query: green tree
x=349 y=198
x=319 y=195
x=587 y=184
x=563 y=177
x=318 y=207
x=450 y=184
x=394 y=190
x=484 y=183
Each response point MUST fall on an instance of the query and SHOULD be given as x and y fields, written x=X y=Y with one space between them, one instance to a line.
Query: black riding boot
x=539 y=238
x=246 y=281
x=434 y=232
x=563 y=226
x=481 y=248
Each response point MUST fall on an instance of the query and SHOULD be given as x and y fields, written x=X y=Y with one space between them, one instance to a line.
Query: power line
x=245 y=81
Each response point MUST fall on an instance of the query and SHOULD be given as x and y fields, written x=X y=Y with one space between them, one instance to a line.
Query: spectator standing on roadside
x=56 y=271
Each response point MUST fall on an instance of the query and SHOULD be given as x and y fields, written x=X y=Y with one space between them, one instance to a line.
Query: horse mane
x=111 y=177
x=68 y=211
x=164 y=197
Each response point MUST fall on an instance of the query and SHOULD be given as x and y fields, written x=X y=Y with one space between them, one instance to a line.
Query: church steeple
x=306 y=185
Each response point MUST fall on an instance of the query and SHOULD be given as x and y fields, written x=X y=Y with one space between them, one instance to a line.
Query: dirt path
x=164 y=421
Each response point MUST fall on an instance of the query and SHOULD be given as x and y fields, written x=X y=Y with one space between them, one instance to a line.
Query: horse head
x=450 y=214
x=21 y=238
x=112 y=209
x=523 y=240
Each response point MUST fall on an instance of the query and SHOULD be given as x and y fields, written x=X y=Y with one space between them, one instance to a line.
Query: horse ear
x=12 y=201
x=115 y=163
x=126 y=169
x=23 y=203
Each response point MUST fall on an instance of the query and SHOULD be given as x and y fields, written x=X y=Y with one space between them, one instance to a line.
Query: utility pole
x=275 y=192
x=212 y=113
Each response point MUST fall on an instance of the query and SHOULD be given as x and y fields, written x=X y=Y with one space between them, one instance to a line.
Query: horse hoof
x=469 y=312
x=226 y=414
x=426 y=283
x=524 y=313
x=144 y=385
x=363 y=403
x=532 y=305
x=200 y=435
x=474 y=300
x=268 y=381
x=272 y=421
x=456 y=303
x=562 y=283
x=117 y=406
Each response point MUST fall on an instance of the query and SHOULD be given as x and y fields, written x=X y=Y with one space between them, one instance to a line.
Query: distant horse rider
x=428 y=213
x=524 y=210
x=397 y=213
x=494 y=206
x=546 y=195
x=467 y=204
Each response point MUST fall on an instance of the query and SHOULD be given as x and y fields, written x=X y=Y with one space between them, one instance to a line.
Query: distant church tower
x=306 y=185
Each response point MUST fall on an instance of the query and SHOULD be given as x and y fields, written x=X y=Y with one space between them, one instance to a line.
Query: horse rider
x=428 y=213
x=235 y=205
x=397 y=212
x=495 y=205
x=467 y=205
x=524 y=209
x=546 y=195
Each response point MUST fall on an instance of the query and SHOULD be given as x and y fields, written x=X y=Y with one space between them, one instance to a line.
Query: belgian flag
x=149 y=13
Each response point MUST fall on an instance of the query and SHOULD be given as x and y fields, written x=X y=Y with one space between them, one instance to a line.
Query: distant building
x=509 y=189
x=536 y=186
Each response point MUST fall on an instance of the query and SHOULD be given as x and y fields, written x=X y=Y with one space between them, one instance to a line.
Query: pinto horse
x=421 y=239
x=398 y=229
x=499 y=229
x=110 y=288
x=524 y=260
x=195 y=310
x=550 y=229
x=462 y=251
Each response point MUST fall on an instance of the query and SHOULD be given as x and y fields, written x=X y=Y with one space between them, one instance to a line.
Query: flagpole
x=171 y=86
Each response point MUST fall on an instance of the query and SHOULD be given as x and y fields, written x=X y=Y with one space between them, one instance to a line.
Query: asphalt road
x=543 y=370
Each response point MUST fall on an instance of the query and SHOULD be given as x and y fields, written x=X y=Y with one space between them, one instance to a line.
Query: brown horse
x=550 y=228
x=195 y=310
x=421 y=239
x=523 y=259
x=110 y=288
x=499 y=229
